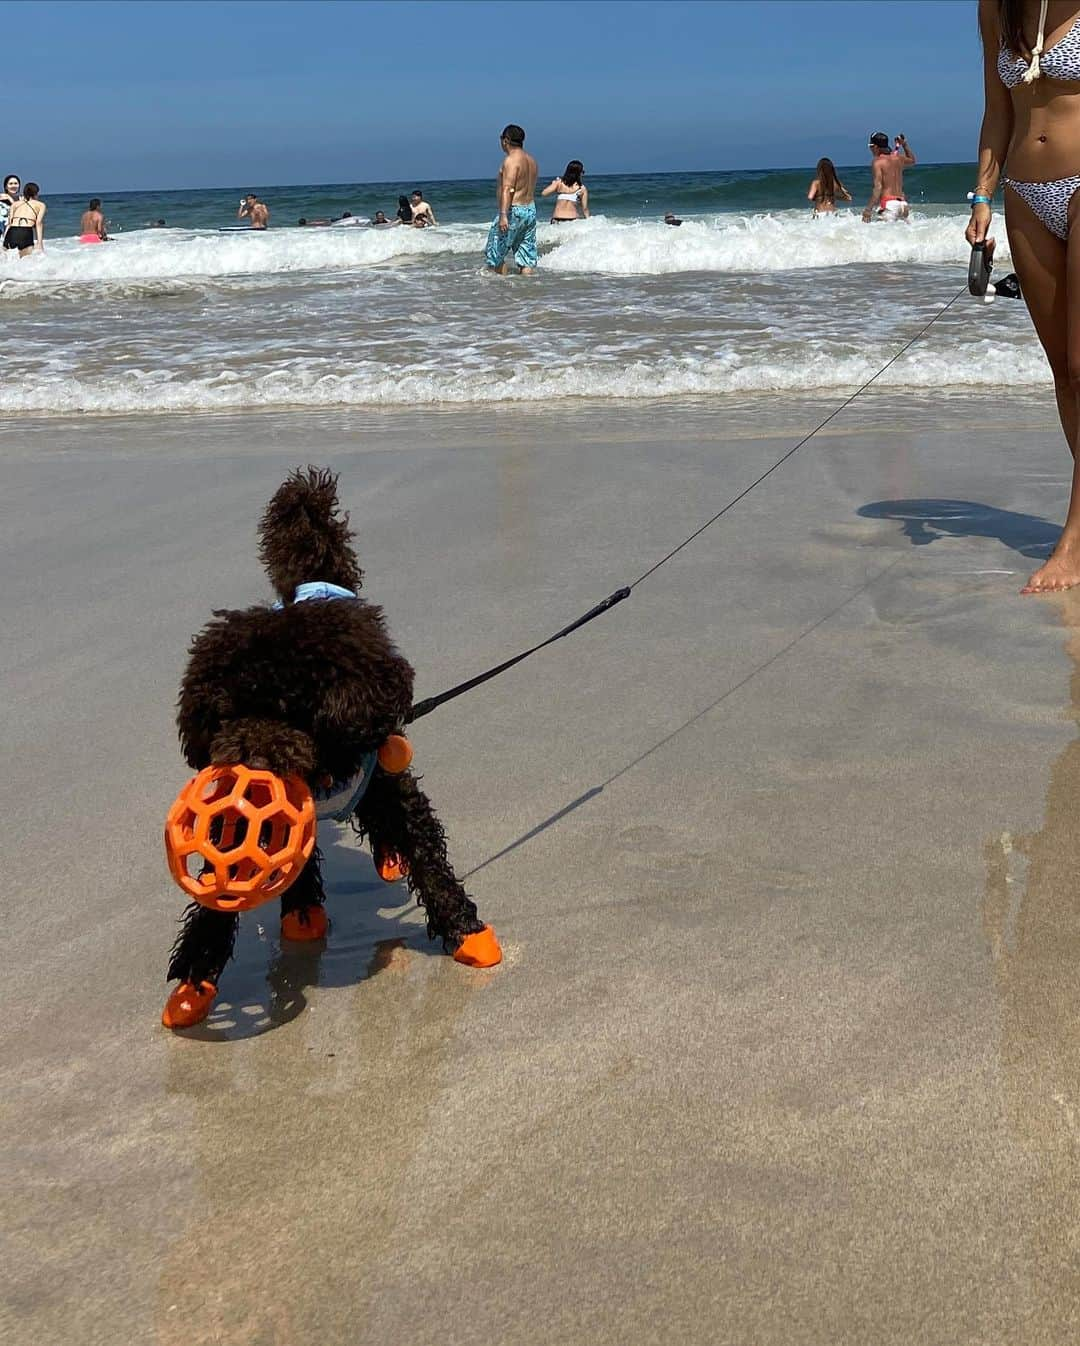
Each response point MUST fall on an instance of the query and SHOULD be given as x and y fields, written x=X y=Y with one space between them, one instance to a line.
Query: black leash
x=432 y=702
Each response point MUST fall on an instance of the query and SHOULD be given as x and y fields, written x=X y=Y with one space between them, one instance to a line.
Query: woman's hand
x=979 y=225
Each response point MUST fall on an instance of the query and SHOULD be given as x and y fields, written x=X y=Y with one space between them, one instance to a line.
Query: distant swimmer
x=155 y=224
x=310 y=224
x=251 y=208
x=92 y=224
x=422 y=214
x=672 y=218
x=887 y=174
x=825 y=188
x=381 y=222
x=26 y=222
x=514 y=229
x=571 y=194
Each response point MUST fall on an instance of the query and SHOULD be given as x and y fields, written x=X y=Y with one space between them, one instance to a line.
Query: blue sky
x=178 y=93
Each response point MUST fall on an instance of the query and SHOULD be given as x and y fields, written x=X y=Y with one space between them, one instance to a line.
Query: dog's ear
x=304 y=537
x=264 y=744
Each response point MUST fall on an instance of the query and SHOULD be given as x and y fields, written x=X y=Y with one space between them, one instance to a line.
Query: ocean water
x=750 y=296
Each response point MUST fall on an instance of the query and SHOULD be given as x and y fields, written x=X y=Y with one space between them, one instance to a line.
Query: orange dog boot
x=307 y=924
x=479 y=950
x=389 y=864
x=188 y=1004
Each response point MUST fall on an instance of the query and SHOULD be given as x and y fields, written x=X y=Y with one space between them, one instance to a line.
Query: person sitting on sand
x=422 y=214
x=571 y=193
x=251 y=208
x=92 y=224
x=887 y=172
x=26 y=222
x=825 y=188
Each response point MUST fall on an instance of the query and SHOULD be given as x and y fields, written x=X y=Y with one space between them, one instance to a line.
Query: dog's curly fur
x=309 y=689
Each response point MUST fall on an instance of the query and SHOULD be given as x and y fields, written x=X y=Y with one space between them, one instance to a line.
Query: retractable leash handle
x=979 y=283
x=979 y=269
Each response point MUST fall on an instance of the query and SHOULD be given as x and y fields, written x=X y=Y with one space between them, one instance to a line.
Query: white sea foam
x=309 y=383
x=157 y=255
x=786 y=241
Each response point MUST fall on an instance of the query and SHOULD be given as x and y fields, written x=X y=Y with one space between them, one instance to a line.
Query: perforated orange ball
x=237 y=837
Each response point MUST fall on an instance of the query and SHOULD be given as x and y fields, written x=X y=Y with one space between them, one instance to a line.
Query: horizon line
x=397 y=182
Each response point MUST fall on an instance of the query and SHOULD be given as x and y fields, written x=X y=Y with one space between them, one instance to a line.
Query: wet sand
x=782 y=851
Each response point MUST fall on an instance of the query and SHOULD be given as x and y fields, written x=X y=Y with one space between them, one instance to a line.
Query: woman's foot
x=1061 y=572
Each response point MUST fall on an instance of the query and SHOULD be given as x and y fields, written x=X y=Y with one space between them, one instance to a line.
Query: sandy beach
x=782 y=853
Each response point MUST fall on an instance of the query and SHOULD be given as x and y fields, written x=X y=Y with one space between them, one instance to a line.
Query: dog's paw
x=479 y=950
x=189 y=1004
x=308 y=924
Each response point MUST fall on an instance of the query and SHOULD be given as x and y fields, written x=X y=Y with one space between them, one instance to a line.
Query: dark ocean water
x=624 y=196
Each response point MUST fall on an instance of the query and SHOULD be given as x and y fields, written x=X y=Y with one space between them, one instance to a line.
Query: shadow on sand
x=263 y=987
x=924 y=521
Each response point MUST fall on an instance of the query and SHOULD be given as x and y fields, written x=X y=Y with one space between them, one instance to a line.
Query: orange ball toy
x=247 y=834
x=395 y=754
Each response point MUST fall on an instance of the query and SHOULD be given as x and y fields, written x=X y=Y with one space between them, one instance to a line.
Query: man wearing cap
x=887 y=176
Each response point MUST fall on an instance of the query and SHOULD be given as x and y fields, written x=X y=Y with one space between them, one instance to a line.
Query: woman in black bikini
x=26 y=222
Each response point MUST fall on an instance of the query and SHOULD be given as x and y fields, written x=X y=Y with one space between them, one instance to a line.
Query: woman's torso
x=567 y=200
x=824 y=201
x=24 y=214
x=1045 y=142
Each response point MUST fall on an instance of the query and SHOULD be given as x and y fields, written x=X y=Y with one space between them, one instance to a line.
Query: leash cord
x=432 y=702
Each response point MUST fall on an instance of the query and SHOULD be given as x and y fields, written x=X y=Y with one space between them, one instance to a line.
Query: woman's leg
x=1049 y=269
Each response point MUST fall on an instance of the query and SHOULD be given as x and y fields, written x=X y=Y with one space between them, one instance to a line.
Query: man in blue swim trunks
x=515 y=229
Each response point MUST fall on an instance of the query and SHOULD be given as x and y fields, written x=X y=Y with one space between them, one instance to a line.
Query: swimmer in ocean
x=251 y=208
x=11 y=193
x=92 y=225
x=887 y=199
x=421 y=211
x=825 y=188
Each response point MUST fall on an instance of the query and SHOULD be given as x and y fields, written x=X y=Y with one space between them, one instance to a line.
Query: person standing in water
x=251 y=208
x=26 y=222
x=1031 y=118
x=514 y=229
x=11 y=193
x=92 y=224
x=421 y=210
x=887 y=174
x=825 y=188
x=572 y=199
